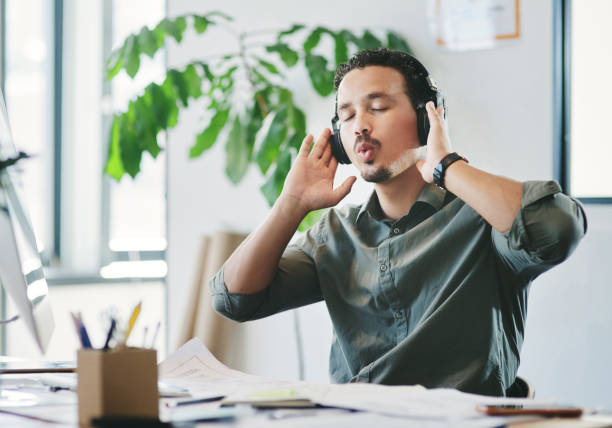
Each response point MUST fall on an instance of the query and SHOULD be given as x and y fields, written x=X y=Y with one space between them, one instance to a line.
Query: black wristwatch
x=440 y=170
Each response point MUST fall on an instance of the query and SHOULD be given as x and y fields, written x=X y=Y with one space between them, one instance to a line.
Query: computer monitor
x=21 y=271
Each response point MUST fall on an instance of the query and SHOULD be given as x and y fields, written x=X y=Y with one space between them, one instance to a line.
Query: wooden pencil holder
x=117 y=382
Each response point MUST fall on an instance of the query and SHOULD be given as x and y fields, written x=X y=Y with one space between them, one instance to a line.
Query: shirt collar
x=431 y=195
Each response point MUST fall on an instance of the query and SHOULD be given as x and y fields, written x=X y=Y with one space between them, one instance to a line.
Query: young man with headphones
x=427 y=281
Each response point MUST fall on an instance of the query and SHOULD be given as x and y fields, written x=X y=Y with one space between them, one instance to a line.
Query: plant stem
x=260 y=99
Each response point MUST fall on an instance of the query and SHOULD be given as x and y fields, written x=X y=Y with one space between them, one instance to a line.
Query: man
x=425 y=284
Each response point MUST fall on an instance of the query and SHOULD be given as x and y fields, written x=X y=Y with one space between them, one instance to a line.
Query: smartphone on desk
x=530 y=409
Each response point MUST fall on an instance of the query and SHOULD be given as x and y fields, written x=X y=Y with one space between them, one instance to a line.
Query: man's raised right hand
x=309 y=184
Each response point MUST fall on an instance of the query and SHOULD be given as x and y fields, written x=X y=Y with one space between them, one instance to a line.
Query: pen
x=132 y=321
x=144 y=336
x=77 y=328
x=155 y=334
x=195 y=401
x=111 y=330
x=83 y=332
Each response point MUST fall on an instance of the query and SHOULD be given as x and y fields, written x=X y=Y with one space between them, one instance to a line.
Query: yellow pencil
x=133 y=319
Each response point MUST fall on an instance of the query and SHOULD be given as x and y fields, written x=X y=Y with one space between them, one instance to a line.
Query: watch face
x=440 y=169
x=437 y=175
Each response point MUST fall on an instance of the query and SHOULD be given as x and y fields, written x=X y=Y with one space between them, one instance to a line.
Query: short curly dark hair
x=413 y=71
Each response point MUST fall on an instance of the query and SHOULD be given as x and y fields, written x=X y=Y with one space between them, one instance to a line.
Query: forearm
x=253 y=264
x=497 y=199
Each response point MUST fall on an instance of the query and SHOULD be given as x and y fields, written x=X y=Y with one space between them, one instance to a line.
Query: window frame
x=60 y=275
x=562 y=67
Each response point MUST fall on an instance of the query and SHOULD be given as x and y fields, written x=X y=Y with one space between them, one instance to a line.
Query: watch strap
x=440 y=170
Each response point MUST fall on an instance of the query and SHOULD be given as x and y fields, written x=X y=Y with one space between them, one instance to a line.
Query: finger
x=333 y=166
x=320 y=144
x=306 y=143
x=341 y=191
x=327 y=155
x=431 y=109
x=432 y=113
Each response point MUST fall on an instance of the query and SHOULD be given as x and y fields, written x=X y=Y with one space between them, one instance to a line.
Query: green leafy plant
x=266 y=130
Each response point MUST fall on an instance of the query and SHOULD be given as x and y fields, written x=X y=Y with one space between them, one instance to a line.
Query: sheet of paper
x=195 y=368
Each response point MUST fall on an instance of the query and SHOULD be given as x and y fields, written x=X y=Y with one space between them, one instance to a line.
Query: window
x=54 y=54
x=99 y=237
x=583 y=88
x=29 y=91
x=136 y=219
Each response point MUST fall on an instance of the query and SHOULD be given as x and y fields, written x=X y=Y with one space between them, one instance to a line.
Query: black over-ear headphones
x=427 y=92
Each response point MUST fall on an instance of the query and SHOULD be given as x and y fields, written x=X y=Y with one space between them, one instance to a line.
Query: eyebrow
x=370 y=96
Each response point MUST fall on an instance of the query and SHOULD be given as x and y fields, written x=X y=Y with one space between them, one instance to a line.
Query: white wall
x=500 y=115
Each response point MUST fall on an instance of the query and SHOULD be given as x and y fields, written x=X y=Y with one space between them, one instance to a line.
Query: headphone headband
x=429 y=92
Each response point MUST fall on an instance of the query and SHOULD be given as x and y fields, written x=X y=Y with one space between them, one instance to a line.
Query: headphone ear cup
x=337 y=148
x=422 y=125
x=336 y=144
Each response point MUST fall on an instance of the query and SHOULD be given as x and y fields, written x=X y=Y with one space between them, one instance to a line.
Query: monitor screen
x=21 y=271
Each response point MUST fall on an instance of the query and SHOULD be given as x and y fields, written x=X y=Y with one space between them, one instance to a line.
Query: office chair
x=521 y=388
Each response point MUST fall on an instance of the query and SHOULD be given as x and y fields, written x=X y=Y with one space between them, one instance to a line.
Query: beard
x=372 y=174
x=405 y=160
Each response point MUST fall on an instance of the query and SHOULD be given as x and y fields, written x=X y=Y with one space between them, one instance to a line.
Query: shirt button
x=398 y=315
x=396 y=231
x=383 y=268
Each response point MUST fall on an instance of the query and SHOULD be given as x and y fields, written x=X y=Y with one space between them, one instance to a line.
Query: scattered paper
x=195 y=368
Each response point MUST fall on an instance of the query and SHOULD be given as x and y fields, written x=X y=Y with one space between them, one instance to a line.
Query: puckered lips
x=366 y=151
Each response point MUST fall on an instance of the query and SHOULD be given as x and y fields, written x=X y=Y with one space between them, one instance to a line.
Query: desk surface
x=60 y=409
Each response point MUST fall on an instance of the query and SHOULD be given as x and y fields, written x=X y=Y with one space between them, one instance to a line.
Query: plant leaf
x=148 y=42
x=200 y=23
x=350 y=37
x=114 y=166
x=255 y=121
x=114 y=64
x=268 y=66
x=287 y=55
x=171 y=103
x=161 y=105
x=131 y=153
x=293 y=29
x=340 y=49
x=145 y=128
x=207 y=138
x=131 y=55
x=397 y=42
x=311 y=219
x=179 y=85
x=237 y=153
x=322 y=79
x=299 y=123
x=370 y=41
x=174 y=28
x=313 y=39
x=275 y=134
x=273 y=186
x=193 y=81
x=295 y=141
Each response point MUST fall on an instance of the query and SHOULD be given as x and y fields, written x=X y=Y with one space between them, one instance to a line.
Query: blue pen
x=83 y=331
x=111 y=330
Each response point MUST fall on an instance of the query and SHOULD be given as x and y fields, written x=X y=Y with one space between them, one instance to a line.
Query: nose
x=362 y=125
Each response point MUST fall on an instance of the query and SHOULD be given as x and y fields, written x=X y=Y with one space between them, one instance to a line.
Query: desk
x=60 y=409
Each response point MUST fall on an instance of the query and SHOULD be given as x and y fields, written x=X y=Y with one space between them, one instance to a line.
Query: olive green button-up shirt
x=437 y=298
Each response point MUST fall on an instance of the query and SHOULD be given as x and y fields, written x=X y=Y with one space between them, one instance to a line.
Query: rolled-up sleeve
x=295 y=284
x=546 y=230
